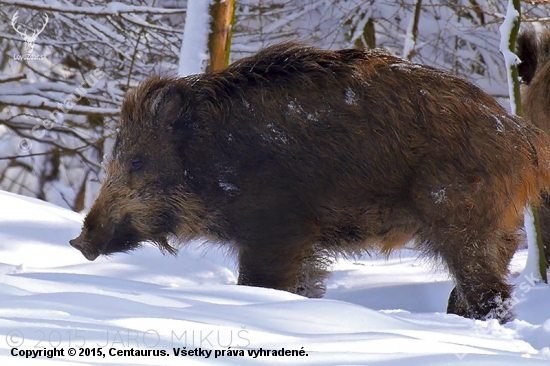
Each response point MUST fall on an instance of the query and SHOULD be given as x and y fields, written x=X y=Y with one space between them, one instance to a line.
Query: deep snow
x=376 y=312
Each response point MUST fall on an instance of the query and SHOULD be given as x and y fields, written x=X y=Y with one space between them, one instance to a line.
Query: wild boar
x=297 y=154
x=534 y=52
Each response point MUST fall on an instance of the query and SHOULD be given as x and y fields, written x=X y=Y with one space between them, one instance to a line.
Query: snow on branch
x=9 y=78
x=56 y=129
x=31 y=101
x=112 y=8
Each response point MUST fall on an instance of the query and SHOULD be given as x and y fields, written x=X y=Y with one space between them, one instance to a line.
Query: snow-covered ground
x=376 y=312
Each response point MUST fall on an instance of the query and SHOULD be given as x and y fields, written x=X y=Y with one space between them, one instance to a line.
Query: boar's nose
x=81 y=245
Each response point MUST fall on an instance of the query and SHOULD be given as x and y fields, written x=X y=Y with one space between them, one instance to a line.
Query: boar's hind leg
x=464 y=226
x=482 y=291
x=480 y=268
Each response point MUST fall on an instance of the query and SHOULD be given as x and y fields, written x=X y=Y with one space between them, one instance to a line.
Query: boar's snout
x=84 y=248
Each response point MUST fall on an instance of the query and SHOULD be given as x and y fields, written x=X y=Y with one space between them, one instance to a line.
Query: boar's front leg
x=295 y=267
x=276 y=239
x=315 y=270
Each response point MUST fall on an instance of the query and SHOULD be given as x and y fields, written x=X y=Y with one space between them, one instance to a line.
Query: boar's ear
x=171 y=108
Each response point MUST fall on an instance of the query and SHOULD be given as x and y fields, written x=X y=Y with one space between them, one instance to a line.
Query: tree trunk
x=221 y=28
x=412 y=32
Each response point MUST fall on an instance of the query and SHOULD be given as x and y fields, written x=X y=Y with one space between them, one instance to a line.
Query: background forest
x=90 y=53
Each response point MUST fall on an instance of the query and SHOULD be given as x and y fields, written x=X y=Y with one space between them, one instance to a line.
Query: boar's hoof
x=491 y=306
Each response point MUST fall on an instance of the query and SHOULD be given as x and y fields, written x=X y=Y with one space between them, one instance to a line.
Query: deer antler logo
x=28 y=39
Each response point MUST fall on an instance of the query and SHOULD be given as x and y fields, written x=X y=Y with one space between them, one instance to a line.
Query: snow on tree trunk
x=536 y=260
x=536 y=266
x=194 y=49
x=508 y=33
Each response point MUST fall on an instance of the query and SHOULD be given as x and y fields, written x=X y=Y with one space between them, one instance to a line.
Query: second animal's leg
x=544 y=219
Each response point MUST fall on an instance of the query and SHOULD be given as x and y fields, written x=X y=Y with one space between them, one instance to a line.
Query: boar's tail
x=540 y=145
x=534 y=177
x=537 y=176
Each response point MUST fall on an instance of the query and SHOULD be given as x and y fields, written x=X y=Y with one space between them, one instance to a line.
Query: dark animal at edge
x=534 y=52
x=296 y=154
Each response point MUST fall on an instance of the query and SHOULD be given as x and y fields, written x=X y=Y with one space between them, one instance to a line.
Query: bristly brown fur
x=298 y=153
x=534 y=51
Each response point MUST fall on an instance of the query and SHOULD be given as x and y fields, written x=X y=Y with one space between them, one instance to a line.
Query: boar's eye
x=136 y=165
